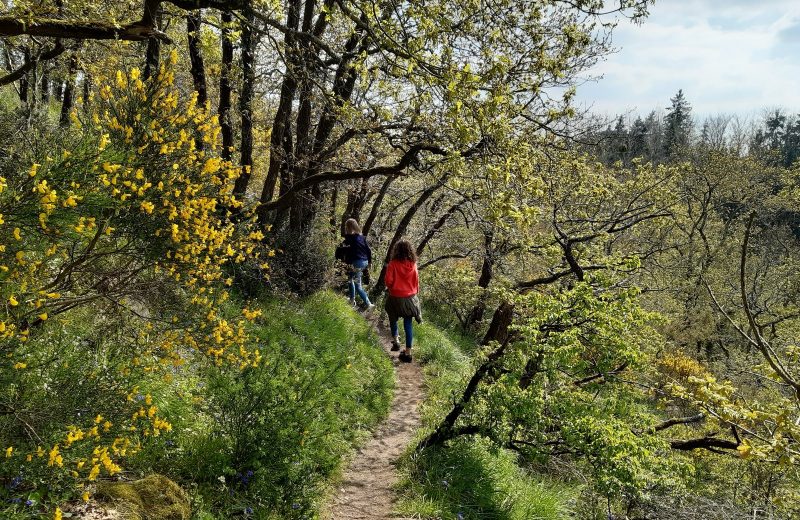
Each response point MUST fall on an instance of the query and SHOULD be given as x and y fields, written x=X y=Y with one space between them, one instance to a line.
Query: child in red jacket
x=402 y=280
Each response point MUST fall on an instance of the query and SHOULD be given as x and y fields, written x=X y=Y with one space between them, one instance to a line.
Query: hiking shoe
x=395 y=344
x=405 y=358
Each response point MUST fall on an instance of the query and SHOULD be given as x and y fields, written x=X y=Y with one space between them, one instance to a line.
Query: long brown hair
x=403 y=250
x=351 y=227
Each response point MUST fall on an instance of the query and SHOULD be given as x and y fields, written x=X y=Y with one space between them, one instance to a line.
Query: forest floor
x=366 y=490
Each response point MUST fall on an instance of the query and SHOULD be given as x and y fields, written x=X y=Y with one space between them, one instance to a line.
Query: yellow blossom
x=9 y=451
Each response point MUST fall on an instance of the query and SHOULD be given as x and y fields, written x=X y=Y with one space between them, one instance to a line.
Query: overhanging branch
x=406 y=160
x=675 y=421
x=50 y=27
x=707 y=443
x=13 y=76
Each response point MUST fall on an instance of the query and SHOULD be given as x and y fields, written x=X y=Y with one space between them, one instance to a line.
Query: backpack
x=341 y=252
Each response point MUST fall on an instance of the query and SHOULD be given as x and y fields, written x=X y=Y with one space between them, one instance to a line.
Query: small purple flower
x=248 y=510
x=295 y=506
x=16 y=500
x=29 y=502
x=16 y=481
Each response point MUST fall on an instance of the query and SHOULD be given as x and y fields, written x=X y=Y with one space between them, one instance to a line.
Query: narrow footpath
x=366 y=490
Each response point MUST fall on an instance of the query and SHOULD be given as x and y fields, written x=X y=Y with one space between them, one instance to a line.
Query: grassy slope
x=469 y=479
x=326 y=384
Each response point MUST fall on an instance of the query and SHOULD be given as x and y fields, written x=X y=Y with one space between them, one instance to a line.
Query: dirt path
x=365 y=491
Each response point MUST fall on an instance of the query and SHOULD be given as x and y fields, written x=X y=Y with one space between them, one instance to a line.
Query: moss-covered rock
x=153 y=498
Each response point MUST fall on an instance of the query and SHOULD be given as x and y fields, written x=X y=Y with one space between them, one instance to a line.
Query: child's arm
x=389 y=280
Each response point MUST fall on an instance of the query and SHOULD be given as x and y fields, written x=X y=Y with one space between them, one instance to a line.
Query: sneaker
x=395 y=343
x=405 y=358
x=370 y=306
x=353 y=303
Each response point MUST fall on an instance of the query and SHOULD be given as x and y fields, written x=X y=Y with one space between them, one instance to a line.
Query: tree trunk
x=249 y=44
x=153 y=54
x=446 y=429
x=225 y=87
x=501 y=322
x=45 y=86
x=376 y=206
x=33 y=81
x=487 y=271
x=194 y=22
x=6 y=58
x=402 y=227
x=356 y=199
x=24 y=80
x=58 y=91
x=69 y=91
x=343 y=86
x=87 y=89
x=302 y=212
x=438 y=225
x=280 y=144
x=334 y=202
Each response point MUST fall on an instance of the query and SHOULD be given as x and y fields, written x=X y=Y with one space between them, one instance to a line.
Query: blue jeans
x=354 y=280
x=407 y=328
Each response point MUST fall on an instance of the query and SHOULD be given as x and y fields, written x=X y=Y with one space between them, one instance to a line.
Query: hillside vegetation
x=611 y=308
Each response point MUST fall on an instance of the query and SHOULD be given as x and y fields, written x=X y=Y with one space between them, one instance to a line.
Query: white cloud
x=727 y=55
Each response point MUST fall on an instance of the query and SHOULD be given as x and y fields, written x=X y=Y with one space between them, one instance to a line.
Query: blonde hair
x=351 y=227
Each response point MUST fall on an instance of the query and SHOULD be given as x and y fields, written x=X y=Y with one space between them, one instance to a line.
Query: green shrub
x=468 y=477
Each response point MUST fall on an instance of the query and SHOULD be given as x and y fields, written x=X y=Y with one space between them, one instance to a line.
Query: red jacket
x=402 y=278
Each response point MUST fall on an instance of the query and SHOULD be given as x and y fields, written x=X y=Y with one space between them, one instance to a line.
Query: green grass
x=324 y=385
x=471 y=479
x=468 y=478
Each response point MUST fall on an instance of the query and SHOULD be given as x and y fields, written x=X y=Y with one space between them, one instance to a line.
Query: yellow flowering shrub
x=123 y=226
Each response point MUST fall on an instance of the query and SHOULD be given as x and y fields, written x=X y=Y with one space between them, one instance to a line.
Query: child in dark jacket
x=402 y=281
x=355 y=252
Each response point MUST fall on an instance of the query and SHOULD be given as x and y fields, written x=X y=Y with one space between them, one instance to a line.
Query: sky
x=729 y=56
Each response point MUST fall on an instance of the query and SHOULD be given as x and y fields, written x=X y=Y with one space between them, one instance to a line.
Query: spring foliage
x=123 y=228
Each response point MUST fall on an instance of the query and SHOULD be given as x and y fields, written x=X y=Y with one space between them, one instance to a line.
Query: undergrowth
x=468 y=478
x=277 y=434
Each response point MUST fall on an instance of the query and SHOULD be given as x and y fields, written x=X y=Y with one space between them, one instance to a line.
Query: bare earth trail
x=365 y=491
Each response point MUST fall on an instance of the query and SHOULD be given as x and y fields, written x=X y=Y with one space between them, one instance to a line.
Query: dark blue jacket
x=353 y=249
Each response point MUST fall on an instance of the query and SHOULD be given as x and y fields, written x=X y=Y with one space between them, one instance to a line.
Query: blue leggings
x=354 y=280
x=407 y=327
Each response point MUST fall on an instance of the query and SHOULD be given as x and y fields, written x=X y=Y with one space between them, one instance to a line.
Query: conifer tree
x=639 y=146
x=678 y=126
